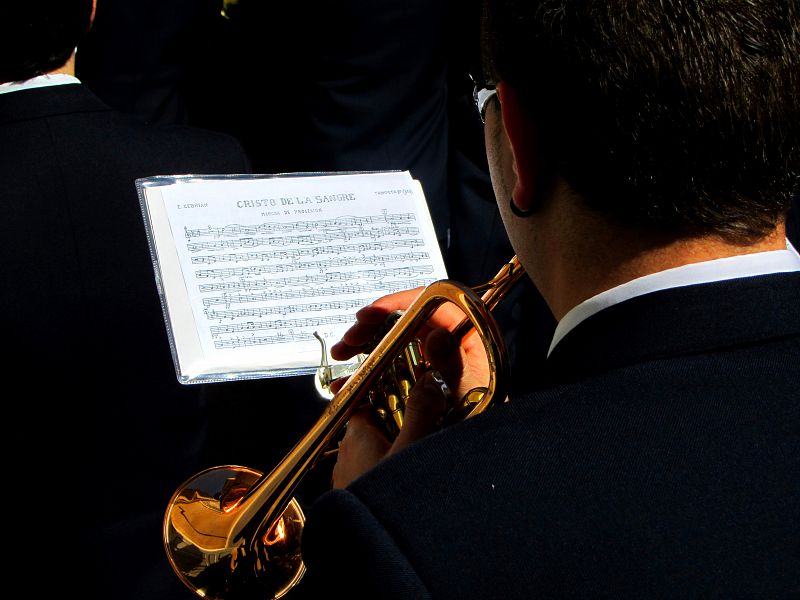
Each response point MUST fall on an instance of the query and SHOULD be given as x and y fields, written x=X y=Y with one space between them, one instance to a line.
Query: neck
x=585 y=254
x=67 y=69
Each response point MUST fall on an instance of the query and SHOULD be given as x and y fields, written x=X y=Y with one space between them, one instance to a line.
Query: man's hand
x=463 y=366
x=364 y=444
x=458 y=367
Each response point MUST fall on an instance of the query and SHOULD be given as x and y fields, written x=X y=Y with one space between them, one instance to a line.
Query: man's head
x=681 y=116
x=37 y=37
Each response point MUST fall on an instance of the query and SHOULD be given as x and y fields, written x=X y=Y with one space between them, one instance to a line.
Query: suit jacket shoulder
x=662 y=467
x=73 y=112
x=84 y=316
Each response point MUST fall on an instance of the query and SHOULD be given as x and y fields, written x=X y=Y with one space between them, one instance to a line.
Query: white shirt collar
x=37 y=82
x=744 y=265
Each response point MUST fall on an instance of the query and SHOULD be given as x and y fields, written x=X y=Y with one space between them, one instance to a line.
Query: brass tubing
x=225 y=524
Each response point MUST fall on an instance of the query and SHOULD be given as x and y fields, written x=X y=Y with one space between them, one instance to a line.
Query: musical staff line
x=266 y=311
x=311 y=279
x=318 y=242
x=344 y=261
x=280 y=324
x=280 y=338
x=311 y=292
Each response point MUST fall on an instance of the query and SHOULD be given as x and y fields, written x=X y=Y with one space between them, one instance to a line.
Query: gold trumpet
x=232 y=532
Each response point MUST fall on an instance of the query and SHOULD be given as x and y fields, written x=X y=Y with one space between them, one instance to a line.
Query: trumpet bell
x=210 y=544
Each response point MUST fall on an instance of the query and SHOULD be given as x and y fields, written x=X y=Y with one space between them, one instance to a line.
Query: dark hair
x=682 y=115
x=39 y=36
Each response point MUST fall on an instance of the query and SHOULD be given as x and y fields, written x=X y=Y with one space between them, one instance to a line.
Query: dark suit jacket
x=659 y=459
x=164 y=80
x=97 y=400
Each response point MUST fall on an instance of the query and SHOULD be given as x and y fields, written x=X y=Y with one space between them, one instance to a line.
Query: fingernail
x=435 y=382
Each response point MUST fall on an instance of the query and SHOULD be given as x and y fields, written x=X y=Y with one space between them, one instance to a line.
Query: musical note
x=267 y=269
x=310 y=279
x=264 y=311
x=280 y=324
x=287 y=252
x=311 y=292
x=275 y=274
x=280 y=338
x=374 y=259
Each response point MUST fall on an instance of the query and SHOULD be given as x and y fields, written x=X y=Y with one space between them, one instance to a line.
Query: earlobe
x=523 y=140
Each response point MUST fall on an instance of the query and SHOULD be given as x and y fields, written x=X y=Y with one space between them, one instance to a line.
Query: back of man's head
x=37 y=37
x=679 y=115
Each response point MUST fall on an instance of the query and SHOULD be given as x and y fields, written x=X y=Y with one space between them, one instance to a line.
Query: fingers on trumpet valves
x=425 y=409
x=437 y=381
x=441 y=350
x=433 y=403
x=371 y=325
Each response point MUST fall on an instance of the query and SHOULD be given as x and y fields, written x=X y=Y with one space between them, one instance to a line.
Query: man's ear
x=524 y=141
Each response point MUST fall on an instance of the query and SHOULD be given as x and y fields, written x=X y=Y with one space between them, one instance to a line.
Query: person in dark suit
x=102 y=431
x=643 y=157
x=162 y=81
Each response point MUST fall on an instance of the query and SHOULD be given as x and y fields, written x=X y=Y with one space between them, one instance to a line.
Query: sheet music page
x=251 y=266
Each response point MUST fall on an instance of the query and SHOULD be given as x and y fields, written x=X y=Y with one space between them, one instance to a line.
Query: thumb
x=424 y=411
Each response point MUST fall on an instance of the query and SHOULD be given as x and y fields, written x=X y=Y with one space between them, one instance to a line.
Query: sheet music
x=251 y=267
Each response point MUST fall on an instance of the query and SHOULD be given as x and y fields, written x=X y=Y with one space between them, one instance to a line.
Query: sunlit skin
x=364 y=444
x=459 y=365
